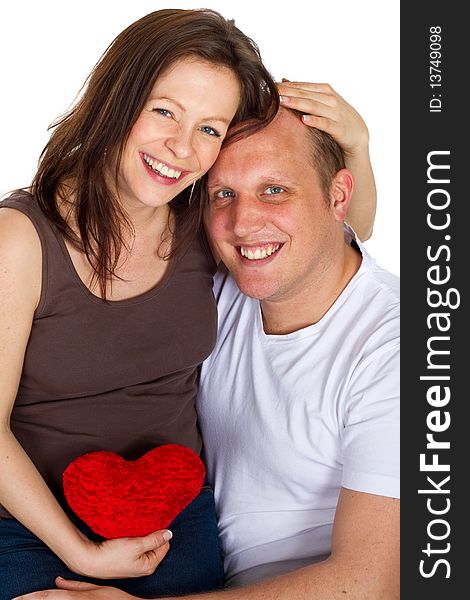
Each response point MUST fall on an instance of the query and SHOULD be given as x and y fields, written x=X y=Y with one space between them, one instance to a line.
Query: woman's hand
x=123 y=557
x=325 y=109
x=76 y=590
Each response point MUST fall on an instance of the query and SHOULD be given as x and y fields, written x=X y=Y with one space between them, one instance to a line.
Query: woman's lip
x=164 y=162
x=161 y=179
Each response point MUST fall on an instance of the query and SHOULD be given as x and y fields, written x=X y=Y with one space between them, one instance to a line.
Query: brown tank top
x=118 y=375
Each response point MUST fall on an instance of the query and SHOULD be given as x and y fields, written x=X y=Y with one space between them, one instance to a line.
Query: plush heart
x=120 y=498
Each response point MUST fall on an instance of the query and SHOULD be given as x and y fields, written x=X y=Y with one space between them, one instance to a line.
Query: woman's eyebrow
x=182 y=107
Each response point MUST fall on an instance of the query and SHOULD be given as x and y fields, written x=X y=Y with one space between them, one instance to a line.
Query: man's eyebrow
x=183 y=108
x=217 y=183
x=271 y=179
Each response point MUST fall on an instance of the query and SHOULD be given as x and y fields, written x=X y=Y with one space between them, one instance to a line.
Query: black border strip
x=435 y=253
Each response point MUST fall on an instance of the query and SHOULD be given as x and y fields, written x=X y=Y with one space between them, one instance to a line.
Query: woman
x=106 y=298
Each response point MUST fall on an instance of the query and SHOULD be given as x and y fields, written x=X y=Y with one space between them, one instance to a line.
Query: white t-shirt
x=287 y=420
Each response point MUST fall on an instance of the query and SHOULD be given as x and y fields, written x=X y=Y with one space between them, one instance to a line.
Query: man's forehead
x=285 y=132
x=285 y=124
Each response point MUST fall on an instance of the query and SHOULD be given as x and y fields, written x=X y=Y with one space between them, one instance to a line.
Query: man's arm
x=363 y=565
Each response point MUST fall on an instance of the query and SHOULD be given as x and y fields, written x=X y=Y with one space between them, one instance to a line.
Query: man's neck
x=309 y=305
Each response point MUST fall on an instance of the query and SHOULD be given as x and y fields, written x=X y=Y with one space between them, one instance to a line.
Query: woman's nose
x=181 y=143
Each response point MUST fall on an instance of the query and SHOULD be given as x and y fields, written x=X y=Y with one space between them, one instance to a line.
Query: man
x=299 y=400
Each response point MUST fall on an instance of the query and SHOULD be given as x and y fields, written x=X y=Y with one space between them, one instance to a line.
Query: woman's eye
x=274 y=189
x=210 y=131
x=163 y=111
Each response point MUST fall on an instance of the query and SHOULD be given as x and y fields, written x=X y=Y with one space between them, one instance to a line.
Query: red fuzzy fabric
x=120 y=498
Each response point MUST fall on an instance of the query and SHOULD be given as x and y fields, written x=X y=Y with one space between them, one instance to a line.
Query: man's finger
x=71 y=585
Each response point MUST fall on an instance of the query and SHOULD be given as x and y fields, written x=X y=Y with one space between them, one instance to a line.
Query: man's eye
x=210 y=131
x=224 y=194
x=274 y=189
x=163 y=111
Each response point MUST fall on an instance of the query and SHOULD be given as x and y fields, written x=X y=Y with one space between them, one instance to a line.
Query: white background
x=48 y=47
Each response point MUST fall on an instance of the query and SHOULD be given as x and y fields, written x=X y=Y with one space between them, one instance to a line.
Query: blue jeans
x=193 y=563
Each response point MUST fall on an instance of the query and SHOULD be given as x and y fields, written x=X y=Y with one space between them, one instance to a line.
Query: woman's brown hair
x=93 y=133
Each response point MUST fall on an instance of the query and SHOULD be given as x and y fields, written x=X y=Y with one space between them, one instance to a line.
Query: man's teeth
x=162 y=169
x=260 y=252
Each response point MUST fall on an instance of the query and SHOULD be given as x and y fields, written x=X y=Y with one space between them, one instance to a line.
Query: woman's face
x=178 y=135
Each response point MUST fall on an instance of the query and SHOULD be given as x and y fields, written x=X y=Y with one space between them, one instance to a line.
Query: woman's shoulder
x=19 y=238
x=19 y=196
x=18 y=208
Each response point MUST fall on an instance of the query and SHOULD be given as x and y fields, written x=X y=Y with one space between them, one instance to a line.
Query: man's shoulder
x=382 y=286
x=367 y=313
x=372 y=275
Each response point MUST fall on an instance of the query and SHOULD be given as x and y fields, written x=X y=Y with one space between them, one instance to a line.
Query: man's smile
x=259 y=251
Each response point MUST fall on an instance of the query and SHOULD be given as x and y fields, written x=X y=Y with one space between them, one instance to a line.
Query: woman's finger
x=326 y=125
x=321 y=88
x=310 y=106
x=155 y=540
x=326 y=99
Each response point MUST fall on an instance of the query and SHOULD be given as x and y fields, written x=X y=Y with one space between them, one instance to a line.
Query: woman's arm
x=327 y=110
x=363 y=565
x=23 y=491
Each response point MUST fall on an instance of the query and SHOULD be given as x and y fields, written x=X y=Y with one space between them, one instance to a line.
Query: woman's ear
x=341 y=192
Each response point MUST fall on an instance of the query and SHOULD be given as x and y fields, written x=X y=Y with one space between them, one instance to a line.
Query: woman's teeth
x=260 y=252
x=161 y=168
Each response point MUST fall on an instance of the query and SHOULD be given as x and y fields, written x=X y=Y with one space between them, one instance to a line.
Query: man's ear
x=341 y=192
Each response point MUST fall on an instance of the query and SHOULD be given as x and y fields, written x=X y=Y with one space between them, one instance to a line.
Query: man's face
x=267 y=216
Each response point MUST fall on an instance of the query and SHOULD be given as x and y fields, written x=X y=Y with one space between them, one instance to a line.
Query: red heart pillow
x=120 y=498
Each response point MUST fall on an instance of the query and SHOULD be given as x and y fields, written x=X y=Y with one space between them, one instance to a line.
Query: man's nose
x=247 y=216
x=181 y=142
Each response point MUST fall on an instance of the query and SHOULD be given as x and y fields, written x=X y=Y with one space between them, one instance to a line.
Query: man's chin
x=256 y=289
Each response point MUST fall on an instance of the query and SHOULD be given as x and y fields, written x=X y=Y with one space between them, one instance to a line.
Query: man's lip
x=254 y=247
x=259 y=244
